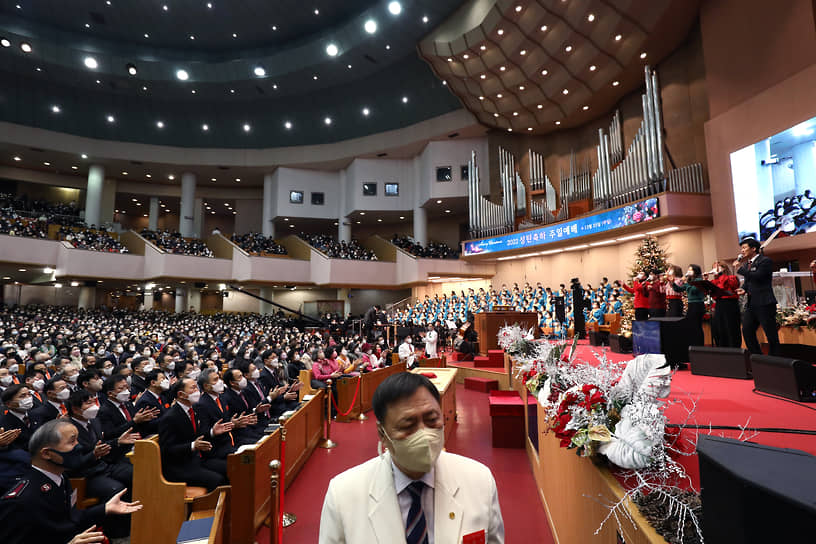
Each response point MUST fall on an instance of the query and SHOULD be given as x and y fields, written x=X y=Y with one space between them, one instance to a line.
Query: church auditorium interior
x=420 y=271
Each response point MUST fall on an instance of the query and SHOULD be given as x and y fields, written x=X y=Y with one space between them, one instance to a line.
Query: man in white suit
x=414 y=493
x=431 y=338
x=406 y=352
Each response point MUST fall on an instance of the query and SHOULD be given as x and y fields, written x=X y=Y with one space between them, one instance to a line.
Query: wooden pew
x=305 y=378
x=83 y=500
x=304 y=429
x=611 y=323
x=166 y=504
x=215 y=505
x=345 y=388
x=248 y=473
x=436 y=362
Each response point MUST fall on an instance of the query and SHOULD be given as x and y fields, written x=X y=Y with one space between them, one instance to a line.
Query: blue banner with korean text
x=635 y=213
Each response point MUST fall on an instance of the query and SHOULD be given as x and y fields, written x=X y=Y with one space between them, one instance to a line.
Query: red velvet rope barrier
x=282 y=487
x=356 y=391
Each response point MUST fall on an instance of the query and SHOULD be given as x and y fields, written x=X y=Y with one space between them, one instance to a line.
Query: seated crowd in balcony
x=174 y=242
x=23 y=226
x=339 y=250
x=434 y=250
x=91 y=239
x=47 y=211
x=256 y=243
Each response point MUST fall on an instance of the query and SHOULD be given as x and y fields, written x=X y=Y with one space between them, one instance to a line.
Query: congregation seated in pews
x=174 y=242
x=434 y=250
x=339 y=250
x=257 y=244
x=91 y=239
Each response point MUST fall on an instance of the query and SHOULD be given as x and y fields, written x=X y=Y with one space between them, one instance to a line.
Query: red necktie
x=218 y=402
x=192 y=420
x=125 y=412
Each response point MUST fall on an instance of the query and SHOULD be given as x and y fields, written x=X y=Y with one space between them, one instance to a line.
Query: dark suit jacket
x=148 y=400
x=9 y=421
x=757 y=284
x=238 y=406
x=113 y=420
x=88 y=438
x=176 y=434
x=209 y=413
x=137 y=385
x=43 y=413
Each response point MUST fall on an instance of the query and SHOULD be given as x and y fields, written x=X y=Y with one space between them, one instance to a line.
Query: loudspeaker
x=789 y=378
x=803 y=352
x=674 y=338
x=720 y=362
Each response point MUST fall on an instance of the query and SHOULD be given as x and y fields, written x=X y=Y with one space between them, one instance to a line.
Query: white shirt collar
x=754 y=258
x=401 y=481
x=57 y=405
x=80 y=422
x=56 y=478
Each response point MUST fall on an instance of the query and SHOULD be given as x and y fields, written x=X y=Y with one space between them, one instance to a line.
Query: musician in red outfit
x=641 y=296
x=673 y=296
x=725 y=323
x=656 y=292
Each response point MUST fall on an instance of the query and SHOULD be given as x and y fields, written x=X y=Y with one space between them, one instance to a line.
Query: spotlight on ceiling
x=91 y=63
x=328 y=120
x=26 y=47
x=259 y=71
x=159 y=124
x=182 y=75
x=205 y=127
x=246 y=127
x=370 y=26
x=404 y=99
x=55 y=109
x=395 y=8
x=366 y=111
x=288 y=125
x=110 y=119
x=332 y=50
x=5 y=42
x=643 y=55
x=131 y=69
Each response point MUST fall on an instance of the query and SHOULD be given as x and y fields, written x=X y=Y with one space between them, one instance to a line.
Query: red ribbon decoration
x=356 y=391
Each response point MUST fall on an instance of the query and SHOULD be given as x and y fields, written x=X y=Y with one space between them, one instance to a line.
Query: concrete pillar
x=193 y=299
x=198 y=218
x=87 y=298
x=804 y=166
x=343 y=294
x=344 y=229
x=93 y=194
x=153 y=214
x=148 y=301
x=268 y=213
x=181 y=300
x=266 y=308
x=343 y=222
x=108 y=202
x=420 y=225
x=186 y=213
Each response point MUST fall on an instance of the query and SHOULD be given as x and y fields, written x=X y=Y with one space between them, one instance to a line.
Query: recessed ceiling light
x=568 y=48
x=349 y=66
x=26 y=47
x=314 y=77
x=274 y=28
x=395 y=8
x=540 y=106
x=193 y=91
x=91 y=63
x=439 y=202
x=515 y=114
x=565 y=91
x=182 y=75
x=402 y=217
x=615 y=83
x=234 y=34
x=131 y=69
x=450 y=59
x=481 y=98
x=148 y=175
x=18 y=159
x=483 y=76
x=124 y=173
x=544 y=72
x=84 y=156
x=211 y=179
x=74 y=167
x=259 y=71
x=287 y=125
x=232 y=91
x=379 y=220
x=558 y=122
x=21 y=270
x=55 y=109
x=593 y=68
x=192 y=37
x=447 y=211
x=495 y=115
x=332 y=50
x=366 y=111
x=530 y=128
x=327 y=120
x=370 y=26
x=5 y=42
x=171 y=177
x=500 y=31
x=98 y=82
x=144 y=87
x=465 y=56
x=643 y=55
x=499 y=95
x=238 y=180
x=543 y=28
x=523 y=52
x=362 y=213
x=46 y=163
x=110 y=119
x=502 y=68
x=521 y=87
x=424 y=18
x=246 y=127
x=205 y=127
x=160 y=124
x=317 y=11
x=388 y=47
x=146 y=35
x=518 y=8
x=585 y=108
x=618 y=38
x=404 y=99
x=591 y=17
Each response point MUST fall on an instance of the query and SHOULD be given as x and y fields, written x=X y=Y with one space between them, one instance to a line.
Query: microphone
x=739 y=257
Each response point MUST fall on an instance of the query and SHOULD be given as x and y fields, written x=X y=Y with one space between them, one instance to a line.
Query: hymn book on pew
x=196 y=531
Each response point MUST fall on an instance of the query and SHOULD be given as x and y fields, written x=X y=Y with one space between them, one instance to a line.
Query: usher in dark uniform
x=38 y=510
x=761 y=307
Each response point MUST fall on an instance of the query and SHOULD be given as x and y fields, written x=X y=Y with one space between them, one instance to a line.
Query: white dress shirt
x=401 y=483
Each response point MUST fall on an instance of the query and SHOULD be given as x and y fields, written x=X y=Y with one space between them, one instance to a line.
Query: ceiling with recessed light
x=223 y=73
x=537 y=66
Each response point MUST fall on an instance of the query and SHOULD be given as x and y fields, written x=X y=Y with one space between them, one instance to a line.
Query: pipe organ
x=576 y=184
x=485 y=217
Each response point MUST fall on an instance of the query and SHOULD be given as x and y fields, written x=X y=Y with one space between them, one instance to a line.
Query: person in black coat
x=183 y=439
x=117 y=414
x=212 y=410
x=153 y=398
x=39 y=508
x=56 y=393
x=578 y=308
x=241 y=412
x=757 y=269
x=18 y=400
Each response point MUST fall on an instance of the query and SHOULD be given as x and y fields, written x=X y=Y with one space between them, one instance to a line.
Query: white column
x=198 y=218
x=181 y=300
x=153 y=213
x=420 y=225
x=343 y=294
x=186 y=213
x=344 y=229
x=93 y=194
x=266 y=308
x=148 y=301
x=193 y=299
x=804 y=165
x=87 y=298
x=108 y=201
x=268 y=213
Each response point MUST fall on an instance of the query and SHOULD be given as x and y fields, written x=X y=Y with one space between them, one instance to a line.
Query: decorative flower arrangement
x=798 y=316
x=611 y=412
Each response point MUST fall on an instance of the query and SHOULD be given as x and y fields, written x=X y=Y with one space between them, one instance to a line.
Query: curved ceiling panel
x=534 y=66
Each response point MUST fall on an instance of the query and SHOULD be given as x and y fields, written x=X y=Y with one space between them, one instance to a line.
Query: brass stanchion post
x=328 y=443
x=274 y=496
x=288 y=517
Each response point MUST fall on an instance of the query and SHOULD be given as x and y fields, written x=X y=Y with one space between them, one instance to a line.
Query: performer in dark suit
x=38 y=508
x=184 y=439
x=578 y=308
x=369 y=319
x=757 y=269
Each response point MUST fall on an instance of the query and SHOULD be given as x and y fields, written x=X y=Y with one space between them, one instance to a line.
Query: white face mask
x=147 y=368
x=6 y=380
x=255 y=374
x=242 y=383
x=72 y=378
x=14 y=368
x=171 y=365
x=419 y=451
x=123 y=396
x=26 y=404
x=219 y=387
x=129 y=380
x=408 y=340
x=90 y=412
x=194 y=397
x=120 y=349
x=214 y=356
x=38 y=385
x=107 y=371
x=64 y=394
x=194 y=374
x=164 y=385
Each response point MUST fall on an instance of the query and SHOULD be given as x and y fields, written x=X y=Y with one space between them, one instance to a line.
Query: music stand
x=711 y=289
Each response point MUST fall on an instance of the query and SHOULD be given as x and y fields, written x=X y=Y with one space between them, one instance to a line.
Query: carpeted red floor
x=524 y=517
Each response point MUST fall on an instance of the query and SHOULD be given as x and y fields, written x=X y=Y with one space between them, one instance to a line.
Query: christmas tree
x=650 y=258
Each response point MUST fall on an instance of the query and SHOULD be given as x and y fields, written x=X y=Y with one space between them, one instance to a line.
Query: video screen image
x=774 y=184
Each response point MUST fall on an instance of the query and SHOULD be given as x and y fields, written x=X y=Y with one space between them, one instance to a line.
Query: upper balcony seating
x=173 y=242
x=339 y=250
x=434 y=250
x=256 y=243
x=90 y=239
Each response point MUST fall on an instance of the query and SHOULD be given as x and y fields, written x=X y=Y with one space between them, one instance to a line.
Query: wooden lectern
x=487 y=325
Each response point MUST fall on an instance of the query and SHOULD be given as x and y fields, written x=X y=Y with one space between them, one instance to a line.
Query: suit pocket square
x=477 y=537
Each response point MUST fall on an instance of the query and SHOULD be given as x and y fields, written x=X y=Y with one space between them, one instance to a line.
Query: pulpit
x=487 y=325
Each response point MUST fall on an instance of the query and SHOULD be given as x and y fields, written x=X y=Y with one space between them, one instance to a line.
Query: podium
x=487 y=325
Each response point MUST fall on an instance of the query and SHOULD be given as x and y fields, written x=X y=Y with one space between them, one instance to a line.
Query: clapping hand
x=220 y=427
x=249 y=419
x=238 y=421
x=117 y=506
x=278 y=391
x=201 y=445
x=7 y=437
x=88 y=536
x=262 y=408
x=101 y=449
x=128 y=437
x=146 y=414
